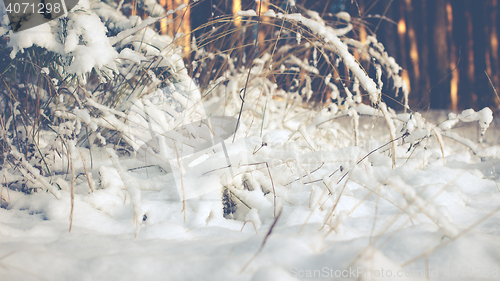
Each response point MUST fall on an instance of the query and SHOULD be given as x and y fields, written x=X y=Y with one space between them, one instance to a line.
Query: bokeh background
x=447 y=48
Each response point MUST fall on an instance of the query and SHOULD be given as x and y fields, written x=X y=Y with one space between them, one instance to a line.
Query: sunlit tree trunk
x=163 y=21
x=179 y=22
x=236 y=9
x=423 y=95
x=402 y=30
x=414 y=67
x=170 y=18
x=440 y=94
x=453 y=60
x=261 y=37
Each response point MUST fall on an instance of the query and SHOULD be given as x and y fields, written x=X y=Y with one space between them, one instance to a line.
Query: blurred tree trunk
x=492 y=63
x=424 y=83
x=414 y=67
x=455 y=76
x=402 y=44
x=439 y=55
x=445 y=46
x=462 y=35
x=163 y=22
x=481 y=83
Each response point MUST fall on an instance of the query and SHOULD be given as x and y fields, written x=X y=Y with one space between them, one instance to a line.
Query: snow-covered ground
x=298 y=194
x=427 y=218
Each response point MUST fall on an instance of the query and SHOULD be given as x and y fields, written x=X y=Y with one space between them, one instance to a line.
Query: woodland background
x=445 y=47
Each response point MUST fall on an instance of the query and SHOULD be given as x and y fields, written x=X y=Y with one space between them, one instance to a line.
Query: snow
x=341 y=50
x=426 y=211
x=347 y=192
x=484 y=117
x=248 y=13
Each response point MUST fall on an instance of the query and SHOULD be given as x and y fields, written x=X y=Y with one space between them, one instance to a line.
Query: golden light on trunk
x=495 y=63
x=454 y=88
x=494 y=36
x=263 y=9
x=236 y=9
x=453 y=62
x=406 y=78
x=413 y=43
x=414 y=52
x=186 y=28
x=362 y=39
x=181 y=24
x=362 y=34
x=494 y=41
x=449 y=14
x=163 y=21
x=134 y=8
x=402 y=37
x=170 y=18
x=401 y=27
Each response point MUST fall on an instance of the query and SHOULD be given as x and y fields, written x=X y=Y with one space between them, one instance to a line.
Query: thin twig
x=462 y=233
x=263 y=242
x=455 y=68
x=70 y=156
x=309 y=174
x=491 y=83
x=256 y=43
x=274 y=192
x=182 y=182
x=254 y=227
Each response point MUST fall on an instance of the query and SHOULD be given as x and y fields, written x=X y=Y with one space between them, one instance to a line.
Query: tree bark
x=439 y=55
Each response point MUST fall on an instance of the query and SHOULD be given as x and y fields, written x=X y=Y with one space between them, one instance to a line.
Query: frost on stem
x=33 y=171
x=133 y=191
x=484 y=117
x=342 y=51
